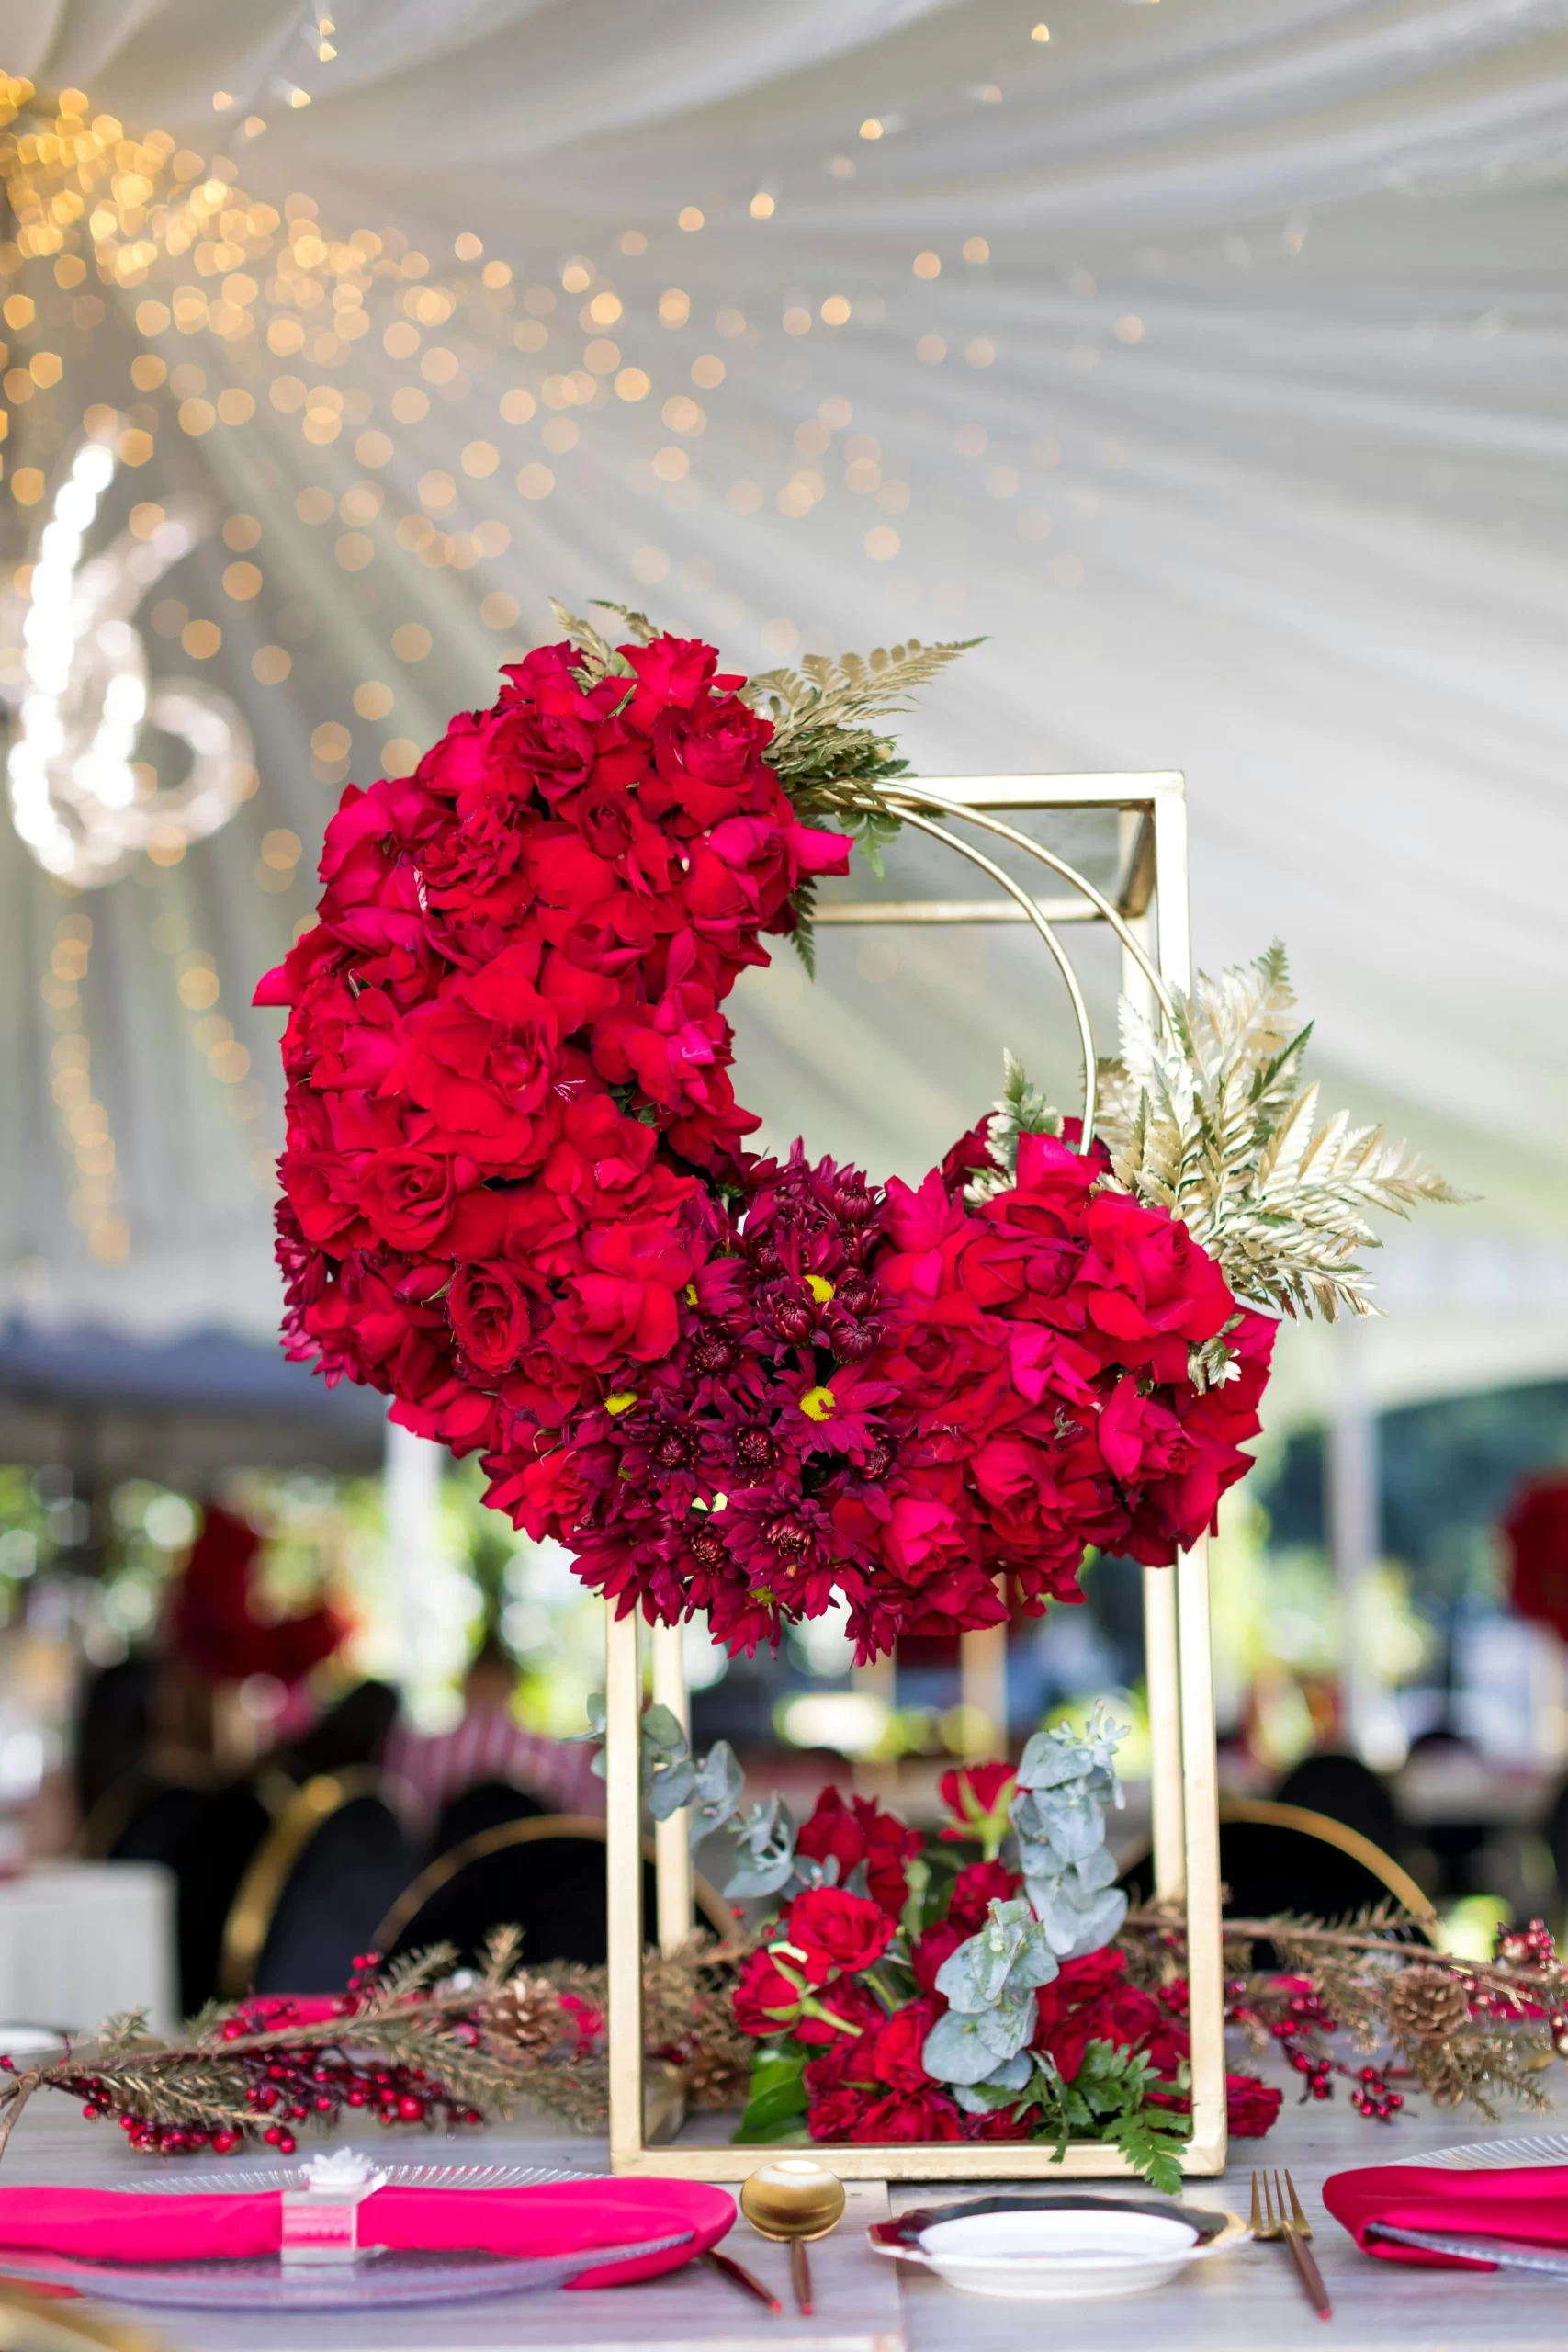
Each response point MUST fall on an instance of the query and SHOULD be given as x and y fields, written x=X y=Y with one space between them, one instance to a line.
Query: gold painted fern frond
x=823 y=714
x=1213 y=1125
x=826 y=750
x=600 y=658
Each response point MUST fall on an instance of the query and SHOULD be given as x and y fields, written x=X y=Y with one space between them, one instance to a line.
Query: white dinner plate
x=1058 y=2246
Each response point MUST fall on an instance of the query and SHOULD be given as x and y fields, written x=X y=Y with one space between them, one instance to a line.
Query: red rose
x=324 y=1189
x=770 y=1999
x=936 y=1945
x=408 y=1197
x=864 y=1833
x=839 y=2086
x=888 y=1847
x=847 y=2003
x=970 y=1156
x=668 y=669
x=895 y=2056
x=1148 y=1286
x=835 y=1933
x=832 y=1831
x=1252 y=2108
x=1090 y=2000
x=976 y=1888
x=848 y=2098
x=708 y=756
x=928 y=2114
x=489 y=1307
x=765 y=2001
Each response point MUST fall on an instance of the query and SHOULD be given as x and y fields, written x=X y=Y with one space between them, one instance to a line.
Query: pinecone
x=718 y=2077
x=1425 y=2004
x=526 y=2017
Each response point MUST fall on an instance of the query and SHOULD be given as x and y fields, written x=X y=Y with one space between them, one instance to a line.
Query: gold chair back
x=254 y=1907
x=536 y=1829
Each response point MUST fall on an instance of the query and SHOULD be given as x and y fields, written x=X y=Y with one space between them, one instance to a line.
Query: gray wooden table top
x=1247 y=2301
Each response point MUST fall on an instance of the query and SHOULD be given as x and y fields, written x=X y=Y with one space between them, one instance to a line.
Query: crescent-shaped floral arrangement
x=517 y=1197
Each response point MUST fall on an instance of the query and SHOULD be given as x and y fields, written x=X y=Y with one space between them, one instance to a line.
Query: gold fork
x=1295 y=2229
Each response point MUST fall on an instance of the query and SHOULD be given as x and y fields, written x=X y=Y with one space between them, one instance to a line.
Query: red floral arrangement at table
x=517 y=1197
x=847 y=1995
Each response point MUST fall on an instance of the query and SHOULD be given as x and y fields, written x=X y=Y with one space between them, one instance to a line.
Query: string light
x=83 y=1122
x=290 y=297
x=226 y=1058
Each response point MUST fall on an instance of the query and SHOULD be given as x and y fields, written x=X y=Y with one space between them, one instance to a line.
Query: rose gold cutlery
x=1293 y=2227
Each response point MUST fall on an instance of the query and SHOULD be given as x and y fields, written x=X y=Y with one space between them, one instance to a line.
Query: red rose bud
x=861 y=1832
x=767 y=1998
x=978 y=1796
x=1252 y=2108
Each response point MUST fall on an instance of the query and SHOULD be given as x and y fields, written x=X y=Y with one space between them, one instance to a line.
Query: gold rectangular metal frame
x=1152 y=890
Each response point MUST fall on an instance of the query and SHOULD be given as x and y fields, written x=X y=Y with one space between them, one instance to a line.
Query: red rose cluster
x=515 y=1199
x=1038 y=1347
x=824 y=1978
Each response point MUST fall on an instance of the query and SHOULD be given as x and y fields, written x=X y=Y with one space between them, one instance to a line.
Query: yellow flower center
x=621 y=1401
x=822 y=1289
x=817 y=1403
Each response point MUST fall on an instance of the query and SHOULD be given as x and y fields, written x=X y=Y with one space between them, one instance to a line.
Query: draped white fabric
x=1244 y=453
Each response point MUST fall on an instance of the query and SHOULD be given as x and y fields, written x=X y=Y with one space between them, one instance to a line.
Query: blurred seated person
x=352 y=1732
x=426 y=1770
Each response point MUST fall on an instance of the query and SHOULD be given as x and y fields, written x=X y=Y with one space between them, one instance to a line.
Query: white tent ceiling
x=1242 y=445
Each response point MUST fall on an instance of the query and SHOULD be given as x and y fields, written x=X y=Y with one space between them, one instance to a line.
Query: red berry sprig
x=283 y=2085
x=1301 y=2030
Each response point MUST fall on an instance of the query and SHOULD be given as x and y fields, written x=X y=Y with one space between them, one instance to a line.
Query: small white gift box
x=320 y=2218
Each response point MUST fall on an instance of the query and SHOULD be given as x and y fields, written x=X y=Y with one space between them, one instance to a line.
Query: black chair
x=1457 y=1844
x=317 y=1884
x=1555 y=1831
x=141 y=1818
x=487 y=1804
x=204 y=1833
x=545 y=1875
x=1277 y=1858
x=1347 y=1791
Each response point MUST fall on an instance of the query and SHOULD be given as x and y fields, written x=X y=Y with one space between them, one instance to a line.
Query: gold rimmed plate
x=1059 y=2246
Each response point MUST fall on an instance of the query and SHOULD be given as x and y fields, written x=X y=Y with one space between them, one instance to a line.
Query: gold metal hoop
x=909 y=800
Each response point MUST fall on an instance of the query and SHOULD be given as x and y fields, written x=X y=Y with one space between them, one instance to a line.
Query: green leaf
x=777 y=2101
x=777 y=2062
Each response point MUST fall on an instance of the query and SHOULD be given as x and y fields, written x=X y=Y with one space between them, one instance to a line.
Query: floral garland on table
x=406 y=2043
x=1458 y=2030
x=415 y=2046
x=517 y=1197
